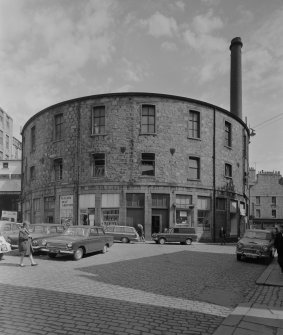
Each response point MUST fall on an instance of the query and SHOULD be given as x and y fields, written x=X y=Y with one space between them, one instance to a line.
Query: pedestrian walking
x=278 y=245
x=141 y=232
x=25 y=247
x=222 y=235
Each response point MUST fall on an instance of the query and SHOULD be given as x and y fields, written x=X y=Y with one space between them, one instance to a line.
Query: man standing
x=222 y=235
x=278 y=244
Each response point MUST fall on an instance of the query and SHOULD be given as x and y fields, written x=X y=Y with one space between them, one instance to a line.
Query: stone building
x=132 y=158
x=266 y=198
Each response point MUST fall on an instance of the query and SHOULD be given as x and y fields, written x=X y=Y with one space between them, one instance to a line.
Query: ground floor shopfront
x=154 y=207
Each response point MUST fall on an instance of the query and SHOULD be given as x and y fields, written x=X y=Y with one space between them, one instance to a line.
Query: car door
x=95 y=241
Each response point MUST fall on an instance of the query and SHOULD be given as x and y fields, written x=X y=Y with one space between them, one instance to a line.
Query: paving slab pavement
x=252 y=318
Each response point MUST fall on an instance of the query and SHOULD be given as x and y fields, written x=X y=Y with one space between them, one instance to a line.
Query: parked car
x=37 y=232
x=6 y=227
x=184 y=235
x=257 y=244
x=78 y=241
x=4 y=246
x=125 y=234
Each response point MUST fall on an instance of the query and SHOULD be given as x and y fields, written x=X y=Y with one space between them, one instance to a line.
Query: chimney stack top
x=236 y=40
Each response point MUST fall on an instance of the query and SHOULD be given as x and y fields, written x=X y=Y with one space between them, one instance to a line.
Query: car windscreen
x=76 y=231
x=258 y=235
x=38 y=229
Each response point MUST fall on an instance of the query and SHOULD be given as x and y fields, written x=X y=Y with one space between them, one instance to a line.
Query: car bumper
x=252 y=255
x=57 y=251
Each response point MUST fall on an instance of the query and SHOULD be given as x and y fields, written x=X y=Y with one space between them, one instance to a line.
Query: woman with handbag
x=25 y=247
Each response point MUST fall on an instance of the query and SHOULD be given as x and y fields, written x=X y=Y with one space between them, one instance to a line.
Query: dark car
x=37 y=232
x=125 y=234
x=257 y=244
x=184 y=235
x=78 y=241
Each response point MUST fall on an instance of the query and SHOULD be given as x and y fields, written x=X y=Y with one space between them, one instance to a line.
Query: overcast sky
x=57 y=50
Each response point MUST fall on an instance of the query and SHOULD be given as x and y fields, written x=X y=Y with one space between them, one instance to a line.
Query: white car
x=4 y=246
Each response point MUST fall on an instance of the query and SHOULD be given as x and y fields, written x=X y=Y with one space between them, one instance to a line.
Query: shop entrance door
x=156 y=224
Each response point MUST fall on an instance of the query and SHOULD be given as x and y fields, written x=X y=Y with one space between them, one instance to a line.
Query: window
x=183 y=201
x=148 y=164
x=32 y=172
x=203 y=206
x=228 y=170
x=194 y=124
x=1 y=137
x=36 y=210
x=1 y=154
x=221 y=204
x=58 y=169
x=273 y=213
x=7 y=142
x=148 y=119
x=49 y=208
x=257 y=213
x=98 y=120
x=228 y=134
x=58 y=120
x=135 y=200
x=194 y=168
x=160 y=200
x=245 y=146
x=273 y=201
x=98 y=165
x=32 y=138
x=257 y=200
x=5 y=165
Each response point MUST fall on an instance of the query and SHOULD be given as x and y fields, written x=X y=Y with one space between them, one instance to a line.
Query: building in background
x=10 y=166
x=266 y=198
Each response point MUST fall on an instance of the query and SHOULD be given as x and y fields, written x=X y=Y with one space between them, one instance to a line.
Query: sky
x=56 y=50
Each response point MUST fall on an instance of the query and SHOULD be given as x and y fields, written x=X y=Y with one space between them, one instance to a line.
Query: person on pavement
x=278 y=245
x=222 y=235
x=141 y=233
x=25 y=247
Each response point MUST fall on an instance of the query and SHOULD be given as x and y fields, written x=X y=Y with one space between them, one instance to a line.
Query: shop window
x=49 y=209
x=110 y=204
x=87 y=209
x=98 y=120
x=98 y=165
x=194 y=124
x=36 y=211
x=184 y=209
x=228 y=170
x=183 y=200
x=58 y=169
x=203 y=206
x=58 y=123
x=135 y=200
x=194 y=168
x=148 y=119
x=148 y=164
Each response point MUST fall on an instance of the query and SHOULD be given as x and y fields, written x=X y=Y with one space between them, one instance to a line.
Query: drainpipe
x=78 y=162
x=214 y=177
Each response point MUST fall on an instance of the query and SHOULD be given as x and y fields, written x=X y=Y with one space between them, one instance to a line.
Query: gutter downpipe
x=214 y=177
x=77 y=162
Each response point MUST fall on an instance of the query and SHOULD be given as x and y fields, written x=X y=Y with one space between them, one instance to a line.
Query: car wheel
x=188 y=241
x=239 y=257
x=161 y=240
x=52 y=255
x=78 y=254
x=124 y=240
x=105 y=249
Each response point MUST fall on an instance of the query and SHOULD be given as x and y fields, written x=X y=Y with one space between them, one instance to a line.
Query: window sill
x=191 y=179
x=147 y=134
x=194 y=138
x=228 y=147
x=98 y=135
x=56 y=141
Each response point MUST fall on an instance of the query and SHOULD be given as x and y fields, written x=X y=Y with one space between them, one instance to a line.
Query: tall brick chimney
x=236 y=77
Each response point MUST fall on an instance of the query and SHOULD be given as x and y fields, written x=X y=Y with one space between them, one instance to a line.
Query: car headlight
x=265 y=248
x=44 y=242
x=240 y=245
x=69 y=245
x=34 y=243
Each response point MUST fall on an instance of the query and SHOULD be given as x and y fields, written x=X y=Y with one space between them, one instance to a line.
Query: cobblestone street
x=133 y=289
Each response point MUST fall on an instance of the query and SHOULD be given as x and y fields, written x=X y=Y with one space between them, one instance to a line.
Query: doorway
x=156 y=224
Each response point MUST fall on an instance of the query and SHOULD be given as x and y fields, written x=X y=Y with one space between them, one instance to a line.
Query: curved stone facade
x=130 y=158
